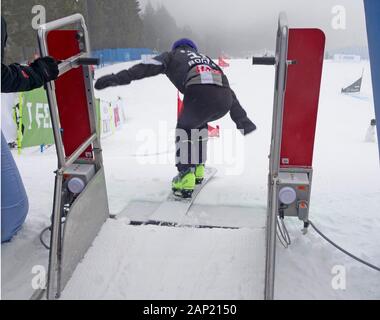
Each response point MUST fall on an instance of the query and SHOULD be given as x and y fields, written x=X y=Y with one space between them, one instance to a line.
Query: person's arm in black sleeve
x=240 y=117
x=18 y=78
x=153 y=67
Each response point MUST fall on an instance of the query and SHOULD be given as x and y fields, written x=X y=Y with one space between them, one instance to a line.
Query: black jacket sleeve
x=151 y=68
x=17 y=78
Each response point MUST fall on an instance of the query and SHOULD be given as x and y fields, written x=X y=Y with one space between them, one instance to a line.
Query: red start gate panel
x=71 y=92
x=306 y=47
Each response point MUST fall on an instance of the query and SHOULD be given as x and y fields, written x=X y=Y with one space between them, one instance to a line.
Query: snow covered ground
x=149 y=262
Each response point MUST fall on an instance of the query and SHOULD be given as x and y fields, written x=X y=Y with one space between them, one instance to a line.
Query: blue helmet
x=184 y=42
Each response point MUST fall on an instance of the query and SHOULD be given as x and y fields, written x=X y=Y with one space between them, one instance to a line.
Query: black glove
x=110 y=80
x=113 y=80
x=246 y=126
x=46 y=67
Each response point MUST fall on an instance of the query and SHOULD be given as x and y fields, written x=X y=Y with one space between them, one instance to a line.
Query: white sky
x=256 y=20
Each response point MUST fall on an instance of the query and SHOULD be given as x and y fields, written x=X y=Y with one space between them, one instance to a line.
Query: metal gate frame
x=281 y=63
x=277 y=173
x=274 y=165
x=85 y=217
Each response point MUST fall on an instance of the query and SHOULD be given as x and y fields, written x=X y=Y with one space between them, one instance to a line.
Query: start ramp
x=159 y=263
x=177 y=212
x=171 y=250
x=199 y=216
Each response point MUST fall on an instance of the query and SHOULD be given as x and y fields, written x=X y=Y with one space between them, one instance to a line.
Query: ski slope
x=149 y=262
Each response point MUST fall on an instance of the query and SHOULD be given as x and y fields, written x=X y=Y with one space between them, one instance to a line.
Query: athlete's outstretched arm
x=151 y=68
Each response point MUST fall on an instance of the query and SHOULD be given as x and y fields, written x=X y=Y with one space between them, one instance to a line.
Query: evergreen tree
x=150 y=36
x=111 y=23
x=160 y=28
x=114 y=23
x=18 y=14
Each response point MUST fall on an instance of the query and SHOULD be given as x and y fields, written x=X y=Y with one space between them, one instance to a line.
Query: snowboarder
x=207 y=97
x=17 y=78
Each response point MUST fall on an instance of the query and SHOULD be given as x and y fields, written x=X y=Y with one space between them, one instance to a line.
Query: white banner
x=112 y=116
x=8 y=125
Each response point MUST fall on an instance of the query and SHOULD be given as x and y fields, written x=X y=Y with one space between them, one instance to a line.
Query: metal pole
x=274 y=166
x=91 y=98
x=78 y=152
x=60 y=23
x=55 y=241
x=271 y=243
x=50 y=89
x=280 y=94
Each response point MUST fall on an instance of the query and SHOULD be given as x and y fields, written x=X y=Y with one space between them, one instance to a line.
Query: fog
x=251 y=24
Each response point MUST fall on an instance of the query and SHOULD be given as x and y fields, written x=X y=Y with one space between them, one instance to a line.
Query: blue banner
x=372 y=11
x=111 y=56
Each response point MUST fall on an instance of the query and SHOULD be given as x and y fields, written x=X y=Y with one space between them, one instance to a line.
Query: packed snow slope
x=151 y=262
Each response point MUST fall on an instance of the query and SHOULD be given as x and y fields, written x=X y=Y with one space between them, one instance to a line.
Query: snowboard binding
x=183 y=194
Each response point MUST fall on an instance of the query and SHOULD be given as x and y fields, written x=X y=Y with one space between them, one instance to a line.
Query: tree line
x=111 y=24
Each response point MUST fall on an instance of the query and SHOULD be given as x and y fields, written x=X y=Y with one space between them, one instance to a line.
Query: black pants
x=202 y=104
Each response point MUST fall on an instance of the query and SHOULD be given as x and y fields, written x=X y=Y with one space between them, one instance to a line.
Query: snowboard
x=174 y=209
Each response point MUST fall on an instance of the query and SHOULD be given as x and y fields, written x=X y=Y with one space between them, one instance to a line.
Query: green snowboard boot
x=199 y=173
x=183 y=184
